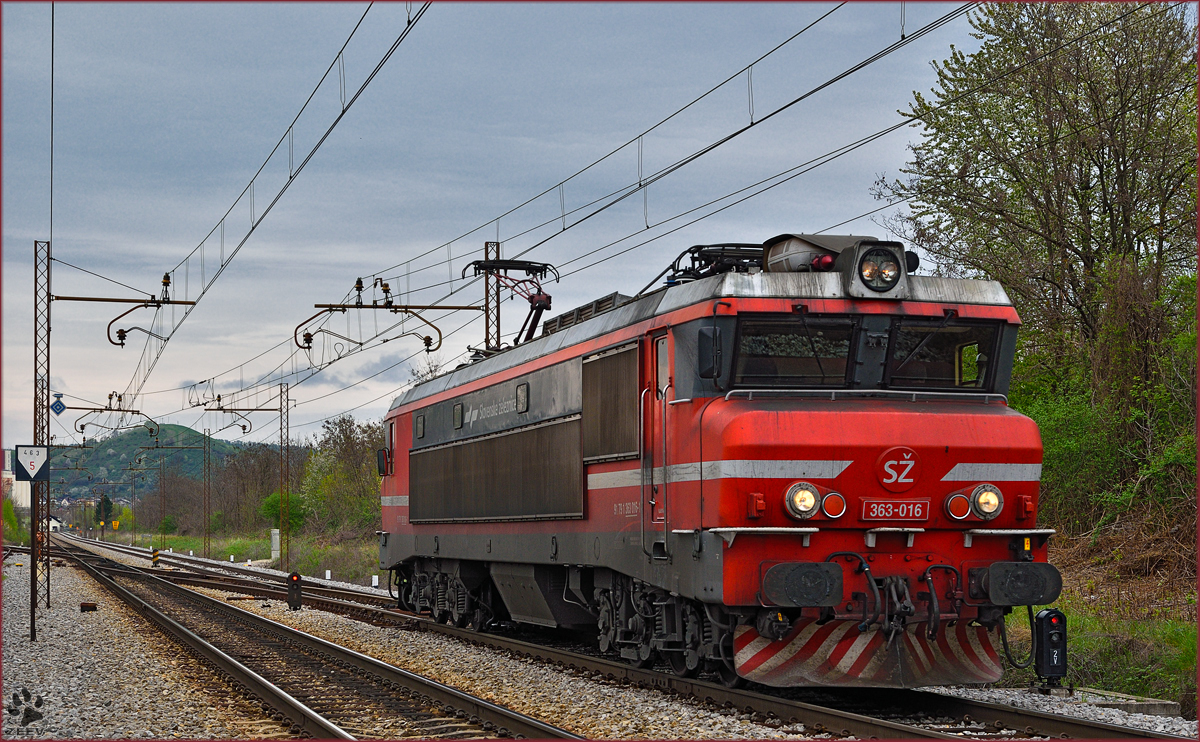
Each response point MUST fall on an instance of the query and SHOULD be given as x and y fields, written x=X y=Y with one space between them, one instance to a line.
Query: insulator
x=358 y=286
x=428 y=342
x=166 y=280
x=308 y=340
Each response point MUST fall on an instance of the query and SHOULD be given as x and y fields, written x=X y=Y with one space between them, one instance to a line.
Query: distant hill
x=110 y=458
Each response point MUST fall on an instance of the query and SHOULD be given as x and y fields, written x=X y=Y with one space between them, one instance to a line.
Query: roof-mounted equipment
x=870 y=268
x=709 y=260
x=528 y=288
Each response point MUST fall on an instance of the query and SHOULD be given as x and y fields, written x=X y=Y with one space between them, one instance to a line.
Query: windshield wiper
x=811 y=343
x=950 y=314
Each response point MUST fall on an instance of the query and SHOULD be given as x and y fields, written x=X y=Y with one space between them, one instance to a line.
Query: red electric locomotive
x=794 y=464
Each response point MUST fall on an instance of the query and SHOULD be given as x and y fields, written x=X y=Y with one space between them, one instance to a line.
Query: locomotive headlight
x=879 y=269
x=986 y=501
x=801 y=500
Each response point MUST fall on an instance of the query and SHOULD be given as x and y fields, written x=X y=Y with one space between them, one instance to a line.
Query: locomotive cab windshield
x=823 y=351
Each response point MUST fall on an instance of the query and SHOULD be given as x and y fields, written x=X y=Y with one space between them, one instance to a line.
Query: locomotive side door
x=656 y=503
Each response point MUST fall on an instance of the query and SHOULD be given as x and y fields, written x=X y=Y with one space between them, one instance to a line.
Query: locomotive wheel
x=728 y=676
x=687 y=663
x=679 y=664
x=462 y=606
x=606 y=622
x=645 y=652
x=461 y=620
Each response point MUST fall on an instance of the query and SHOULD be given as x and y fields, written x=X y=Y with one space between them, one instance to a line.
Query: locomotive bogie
x=796 y=478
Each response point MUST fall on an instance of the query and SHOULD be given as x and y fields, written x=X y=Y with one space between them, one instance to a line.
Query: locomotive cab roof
x=789 y=273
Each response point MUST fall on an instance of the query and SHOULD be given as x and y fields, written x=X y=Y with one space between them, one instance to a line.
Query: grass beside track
x=347 y=559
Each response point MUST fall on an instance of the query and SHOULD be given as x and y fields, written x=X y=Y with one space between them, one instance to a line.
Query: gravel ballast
x=587 y=706
x=108 y=673
x=1071 y=707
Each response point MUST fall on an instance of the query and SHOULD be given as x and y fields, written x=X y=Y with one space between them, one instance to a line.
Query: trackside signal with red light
x=1050 y=633
x=293 y=591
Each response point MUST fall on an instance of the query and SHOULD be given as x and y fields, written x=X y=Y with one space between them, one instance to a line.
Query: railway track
x=323 y=690
x=877 y=713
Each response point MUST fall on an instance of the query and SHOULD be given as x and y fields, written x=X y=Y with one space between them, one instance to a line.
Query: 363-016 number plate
x=895 y=510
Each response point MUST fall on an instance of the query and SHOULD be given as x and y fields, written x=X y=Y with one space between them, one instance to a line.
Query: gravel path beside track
x=108 y=674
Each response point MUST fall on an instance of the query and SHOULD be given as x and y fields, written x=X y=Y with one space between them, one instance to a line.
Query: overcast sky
x=164 y=112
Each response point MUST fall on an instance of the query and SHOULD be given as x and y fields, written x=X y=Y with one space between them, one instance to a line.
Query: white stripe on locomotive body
x=794 y=645
x=923 y=658
x=394 y=500
x=861 y=642
x=730 y=469
x=994 y=473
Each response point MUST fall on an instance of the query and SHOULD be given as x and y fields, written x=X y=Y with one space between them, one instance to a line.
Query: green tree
x=125 y=517
x=104 y=509
x=341 y=479
x=297 y=510
x=1060 y=160
x=14 y=532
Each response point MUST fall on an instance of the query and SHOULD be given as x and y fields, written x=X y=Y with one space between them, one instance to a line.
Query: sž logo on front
x=898 y=468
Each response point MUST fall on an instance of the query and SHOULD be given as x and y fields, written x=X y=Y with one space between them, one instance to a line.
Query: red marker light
x=822 y=263
x=834 y=505
x=958 y=507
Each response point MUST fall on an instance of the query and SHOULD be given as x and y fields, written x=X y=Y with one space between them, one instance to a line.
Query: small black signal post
x=293 y=584
x=1050 y=653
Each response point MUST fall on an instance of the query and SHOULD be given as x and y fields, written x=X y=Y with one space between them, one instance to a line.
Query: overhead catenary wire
x=617 y=149
x=816 y=162
x=619 y=195
x=97 y=275
x=496 y=220
x=878 y=133
x=149 y=360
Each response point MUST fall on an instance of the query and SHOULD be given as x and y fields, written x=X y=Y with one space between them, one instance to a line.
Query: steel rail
x=296 y=712
x=504 y=719
x=995 y=715
x=308 y=587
